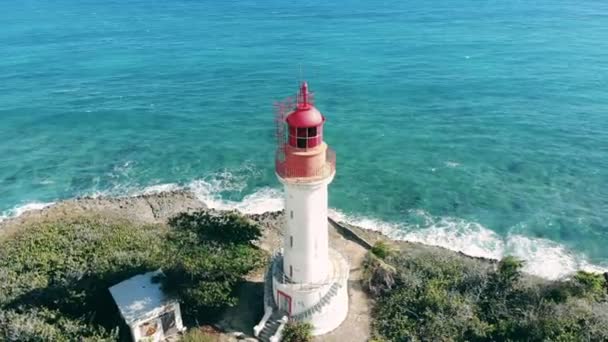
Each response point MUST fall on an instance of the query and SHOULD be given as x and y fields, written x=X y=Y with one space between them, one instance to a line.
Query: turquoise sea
x=480 y=126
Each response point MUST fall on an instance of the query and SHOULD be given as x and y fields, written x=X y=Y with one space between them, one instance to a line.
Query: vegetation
x=207 y=255
x=378 y=276
x=47 y=325
x=55 y=275
x=198 y=335
x=297 y=332
x=381 y=249
x=432 y=296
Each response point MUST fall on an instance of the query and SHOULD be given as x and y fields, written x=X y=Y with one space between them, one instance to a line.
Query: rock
x=148 y=208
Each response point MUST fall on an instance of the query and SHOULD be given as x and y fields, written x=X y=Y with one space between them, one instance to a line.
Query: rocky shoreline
x=351 y=241
x=146 y=208
x=159 y=207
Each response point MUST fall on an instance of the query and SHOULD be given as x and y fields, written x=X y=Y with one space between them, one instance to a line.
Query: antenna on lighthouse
x=303 y=95
x=304 y=98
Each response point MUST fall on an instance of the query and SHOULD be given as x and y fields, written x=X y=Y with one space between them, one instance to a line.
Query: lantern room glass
x=305 y=137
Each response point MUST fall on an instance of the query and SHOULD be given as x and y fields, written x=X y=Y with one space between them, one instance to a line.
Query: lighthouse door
x=284 y=302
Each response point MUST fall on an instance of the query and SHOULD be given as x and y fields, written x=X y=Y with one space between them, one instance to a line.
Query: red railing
x=290 y=171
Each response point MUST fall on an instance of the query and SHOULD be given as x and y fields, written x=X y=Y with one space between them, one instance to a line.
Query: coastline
x=351 y=241
x=235 y=323
x=157 y=205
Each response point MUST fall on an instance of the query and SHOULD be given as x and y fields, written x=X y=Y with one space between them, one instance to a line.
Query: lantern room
x=301 y=151
x=305 y=123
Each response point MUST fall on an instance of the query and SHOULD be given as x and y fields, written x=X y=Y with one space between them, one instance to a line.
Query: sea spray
x=19 y=210
x=544 y=258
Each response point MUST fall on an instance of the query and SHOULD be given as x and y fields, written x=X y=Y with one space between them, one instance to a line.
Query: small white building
x=148 y=312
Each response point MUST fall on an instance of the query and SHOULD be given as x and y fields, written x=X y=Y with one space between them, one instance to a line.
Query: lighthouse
x=307 y=281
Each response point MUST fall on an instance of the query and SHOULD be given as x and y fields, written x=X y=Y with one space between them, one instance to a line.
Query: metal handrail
x=284 y=279
x=277 y=271
x=337 y=284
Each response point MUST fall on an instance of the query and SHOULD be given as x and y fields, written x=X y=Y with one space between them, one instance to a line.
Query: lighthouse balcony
x=303 y=169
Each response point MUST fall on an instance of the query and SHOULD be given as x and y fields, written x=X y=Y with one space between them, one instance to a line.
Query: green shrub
x=378 y=276
x=443 y=297
x=207 y=254
x=509 y=270
x=47 y=325
x=582 y=284
x=297 y=332
x=381 y=249
x=67 y=266
x=590 y=284
x=224 y=228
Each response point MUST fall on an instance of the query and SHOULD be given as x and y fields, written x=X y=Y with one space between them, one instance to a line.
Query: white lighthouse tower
x=307 y=281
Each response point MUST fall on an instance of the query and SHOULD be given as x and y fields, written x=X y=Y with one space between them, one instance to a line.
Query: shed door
x=168 y=321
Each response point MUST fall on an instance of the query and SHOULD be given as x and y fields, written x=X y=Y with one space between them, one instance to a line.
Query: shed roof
x=138 y=297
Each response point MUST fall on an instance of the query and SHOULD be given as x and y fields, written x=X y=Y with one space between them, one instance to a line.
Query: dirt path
x=356 y=327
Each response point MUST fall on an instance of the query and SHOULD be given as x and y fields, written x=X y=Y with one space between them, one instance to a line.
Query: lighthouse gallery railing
x=289 y=171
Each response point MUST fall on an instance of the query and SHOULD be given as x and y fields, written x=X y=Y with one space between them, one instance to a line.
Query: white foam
x=158 y=188
x=451 y=164
x=542 y=257
x=467 y=237
x=261 y=201
x=19 y=210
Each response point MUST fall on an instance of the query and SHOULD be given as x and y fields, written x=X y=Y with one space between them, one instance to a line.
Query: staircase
x=340 y=265
x=271 y=326
x=274 y=320
x=325 y=300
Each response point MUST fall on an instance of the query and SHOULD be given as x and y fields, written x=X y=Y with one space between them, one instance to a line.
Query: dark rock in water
x=11 y=179
x=516 y=205
x=515 y=167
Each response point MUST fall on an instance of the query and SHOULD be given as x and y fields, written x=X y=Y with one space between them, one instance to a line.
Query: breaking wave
x=18 y=210
x=542 y=257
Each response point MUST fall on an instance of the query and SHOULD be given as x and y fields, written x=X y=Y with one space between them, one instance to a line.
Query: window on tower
x=312 y=132
x=291 y=241
x=305 y=137
x=302 y=137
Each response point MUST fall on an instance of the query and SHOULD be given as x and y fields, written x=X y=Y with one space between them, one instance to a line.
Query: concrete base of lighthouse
x=323 y=305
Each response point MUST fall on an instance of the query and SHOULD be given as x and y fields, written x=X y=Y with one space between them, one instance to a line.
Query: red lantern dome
x=305 y=117
x=305 y=122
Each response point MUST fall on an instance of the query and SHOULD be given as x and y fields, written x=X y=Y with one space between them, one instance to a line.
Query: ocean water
x=477 y=126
